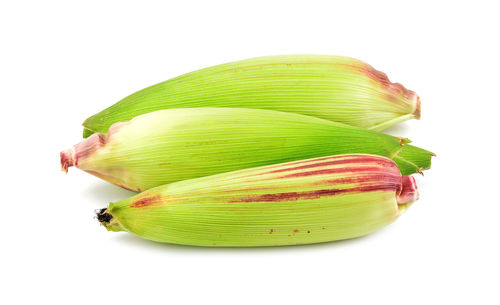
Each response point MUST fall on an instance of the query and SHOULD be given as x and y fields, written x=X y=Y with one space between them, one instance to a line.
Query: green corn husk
x=302 y=202
x=336 y=88
x=178 y=144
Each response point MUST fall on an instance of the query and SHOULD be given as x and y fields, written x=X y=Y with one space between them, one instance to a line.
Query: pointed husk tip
x=416 y=112
x=73 y=156
x=67 y=159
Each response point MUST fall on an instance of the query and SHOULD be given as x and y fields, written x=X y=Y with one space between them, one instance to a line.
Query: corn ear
x=178 y=144
x=336 y=88
x=302 y=202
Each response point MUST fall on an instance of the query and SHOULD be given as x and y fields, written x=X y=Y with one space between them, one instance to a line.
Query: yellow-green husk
x=336 y=88
x=178 y=144
x=310 y=201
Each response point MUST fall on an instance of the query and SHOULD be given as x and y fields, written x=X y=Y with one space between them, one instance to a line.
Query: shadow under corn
x=100 y=193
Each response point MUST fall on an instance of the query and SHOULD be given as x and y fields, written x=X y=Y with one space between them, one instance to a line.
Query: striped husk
x=301 y=202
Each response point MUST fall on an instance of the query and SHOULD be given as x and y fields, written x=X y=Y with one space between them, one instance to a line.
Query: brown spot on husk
x=147 y=201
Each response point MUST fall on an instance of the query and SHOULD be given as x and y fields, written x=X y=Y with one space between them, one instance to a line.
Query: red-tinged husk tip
x=395 y=89
x=408 y=192
x=72 y=156
x=416 y=113
x=67 y=159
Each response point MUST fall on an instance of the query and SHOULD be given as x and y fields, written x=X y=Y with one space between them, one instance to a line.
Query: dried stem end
x=108 y=220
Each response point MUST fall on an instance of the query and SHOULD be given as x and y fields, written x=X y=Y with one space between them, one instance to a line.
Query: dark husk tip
x=103 y=216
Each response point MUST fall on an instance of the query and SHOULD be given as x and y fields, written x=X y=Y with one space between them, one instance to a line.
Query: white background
x=63 y=61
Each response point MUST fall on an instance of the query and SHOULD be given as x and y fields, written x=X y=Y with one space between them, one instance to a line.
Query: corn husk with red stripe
x=301 y=202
